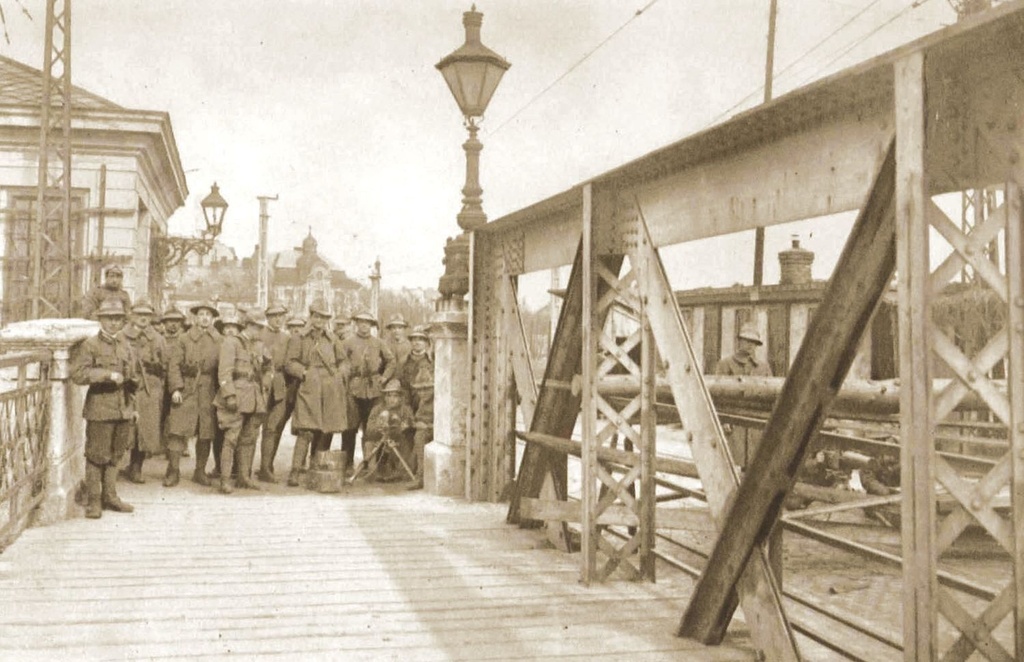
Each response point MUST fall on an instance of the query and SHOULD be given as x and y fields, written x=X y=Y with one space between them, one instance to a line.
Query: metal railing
x=24 y=434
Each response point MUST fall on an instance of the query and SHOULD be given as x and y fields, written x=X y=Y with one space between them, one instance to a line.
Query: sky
x=336 y=107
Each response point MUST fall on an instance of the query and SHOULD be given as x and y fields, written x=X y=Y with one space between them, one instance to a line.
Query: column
x=445 y=458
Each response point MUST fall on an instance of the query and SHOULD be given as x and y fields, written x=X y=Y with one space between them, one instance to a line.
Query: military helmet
x=172 y=313
x=276 y=309
x=396 y=320
x=365 y=317
x=419 y=332
x=114 y=269
x=296 y=321
x=143 y=307
x=749 y=331
x=208 y=305
x=111 y=307
x=254 y=317
x=393 y=386
x=231 y=317
x=319 y=307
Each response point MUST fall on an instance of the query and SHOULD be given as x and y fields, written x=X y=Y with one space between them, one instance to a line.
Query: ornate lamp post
x=172 y=249
x=472 y=72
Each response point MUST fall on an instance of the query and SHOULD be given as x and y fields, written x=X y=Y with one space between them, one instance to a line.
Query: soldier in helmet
x=192 y=380
x=151 y=351
x=107 y=365
x=295 y=325
x=417 y=378
x=744 y=361
x=397 y=339
x=280 y=395
x=314 y=358
x=173 y=320
x=240 y=402
x=391 y=421
x=371 y=364
x=111 y=288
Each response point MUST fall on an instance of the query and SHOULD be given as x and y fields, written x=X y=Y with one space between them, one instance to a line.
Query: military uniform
x=241 y=402
x=371 y=363
x=400 y=346
x=417 y=378
x=389 y=423
x=743 y=441
x=314 y=358
x=280 y=396
x=151 y=351
x=109 y=410
x=193 y=373
x=172 y=346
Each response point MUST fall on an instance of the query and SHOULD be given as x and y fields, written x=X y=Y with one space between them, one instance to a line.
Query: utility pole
x=769 y=69
x=375 y=290
x=262 y=268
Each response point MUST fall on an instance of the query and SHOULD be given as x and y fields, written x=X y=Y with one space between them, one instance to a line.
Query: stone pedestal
x=65 y=446
x=444 y=471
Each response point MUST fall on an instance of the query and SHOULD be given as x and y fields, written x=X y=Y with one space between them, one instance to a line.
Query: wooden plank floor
x=376 y=573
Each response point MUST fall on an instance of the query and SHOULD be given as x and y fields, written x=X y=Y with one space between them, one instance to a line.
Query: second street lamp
x=174 y=249
x=472 y=72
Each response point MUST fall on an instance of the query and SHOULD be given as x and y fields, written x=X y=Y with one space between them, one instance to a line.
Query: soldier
x=150 y=350
x=314 y=358
x=396 y=339
x=110 y=289
x=296 y=325
x=172 y=319
x=417 y=378
x=744 y=361
x=241 y=402
x=390 y=422
x=280 y=395
x=107 y=365
x=192 y=380
x=371 y=363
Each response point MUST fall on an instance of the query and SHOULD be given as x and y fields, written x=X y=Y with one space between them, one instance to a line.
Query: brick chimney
x=795 y=264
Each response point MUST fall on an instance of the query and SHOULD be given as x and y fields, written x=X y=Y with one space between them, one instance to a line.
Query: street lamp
x=172 y=250
x=472 y=72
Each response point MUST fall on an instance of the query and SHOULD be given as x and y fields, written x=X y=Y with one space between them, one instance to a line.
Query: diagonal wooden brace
x=861 y=277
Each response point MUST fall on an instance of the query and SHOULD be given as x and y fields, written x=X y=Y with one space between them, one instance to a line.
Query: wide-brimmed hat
x=749 y=331
x=296 y=321
x=143 y=307
x=319 y=307
x=419 y=332
x=276 y=309
x=114 y=269
x=393 y=386
x=254 y=317
x=364 y=317
x=396 y=320
x=208 y=305
x=230 y=317
x=172 y=313
x=110 y=308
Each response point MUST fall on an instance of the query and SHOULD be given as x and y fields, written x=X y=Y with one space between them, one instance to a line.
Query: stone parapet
x=445 y=458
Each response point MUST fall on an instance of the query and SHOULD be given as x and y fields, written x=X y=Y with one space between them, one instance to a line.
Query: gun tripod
x=372 y=464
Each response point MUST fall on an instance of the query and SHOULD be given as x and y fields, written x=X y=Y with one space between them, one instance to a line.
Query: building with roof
x=301 y=275
x=127 y=180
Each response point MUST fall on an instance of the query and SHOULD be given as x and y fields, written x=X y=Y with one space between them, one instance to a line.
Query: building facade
x=301 y=275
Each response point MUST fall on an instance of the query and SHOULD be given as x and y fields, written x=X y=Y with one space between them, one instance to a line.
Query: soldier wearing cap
x=314 y=358
x=744 y=361
x=107 y=365
x=371 y=364
x=151 y=352
x=110 y=289
x=417 y=378
x=391 y=419
x=280 y=395
x=192 y=380
x=295 y=325
x=397 y=339
x=241 y=401
x=173 y=320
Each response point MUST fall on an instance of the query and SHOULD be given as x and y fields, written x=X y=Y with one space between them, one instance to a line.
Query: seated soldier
x=390 y=422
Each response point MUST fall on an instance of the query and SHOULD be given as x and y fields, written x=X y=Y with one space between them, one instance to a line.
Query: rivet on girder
x=972 y=376
x=969 y=249
x=976 y=503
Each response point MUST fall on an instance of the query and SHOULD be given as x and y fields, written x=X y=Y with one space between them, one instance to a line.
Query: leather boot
x=135 y=467
x=173 y=474
x=202 y=455
x=299 y=457
x=110 y=499
x=93 y=490
x=225 y=472
x=244 y=458
x=218 y=454
x=268 y=449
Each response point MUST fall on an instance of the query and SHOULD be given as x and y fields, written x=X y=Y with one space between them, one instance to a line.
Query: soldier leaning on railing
x=107 y=364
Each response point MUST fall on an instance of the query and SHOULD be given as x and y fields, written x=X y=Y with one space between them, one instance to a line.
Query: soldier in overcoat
x=417 y=378
x=151 y=351
x=371 y=364
x=173 y=320
x=192 y=380
x=111 y=288
x=241 y=402
x=315 y=359
x=744 y=361
x=280 y=395
x=398 y=340
x=106 y=364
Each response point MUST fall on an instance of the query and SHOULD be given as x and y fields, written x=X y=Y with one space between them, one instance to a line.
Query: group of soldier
x=157 y=381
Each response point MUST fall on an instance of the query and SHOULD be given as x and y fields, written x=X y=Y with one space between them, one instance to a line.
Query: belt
x=241 y=375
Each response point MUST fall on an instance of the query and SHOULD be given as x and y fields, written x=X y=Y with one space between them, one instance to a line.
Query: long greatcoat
x=151 y=350
x=193 y=371
x=92 y=364
x=316 y=360
x=240 y=372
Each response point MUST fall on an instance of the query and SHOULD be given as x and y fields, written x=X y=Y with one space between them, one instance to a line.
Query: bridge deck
x=376 y=573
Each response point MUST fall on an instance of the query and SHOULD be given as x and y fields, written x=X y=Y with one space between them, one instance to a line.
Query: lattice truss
x=24 y=426
x=52 y=251
x=992 y=501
